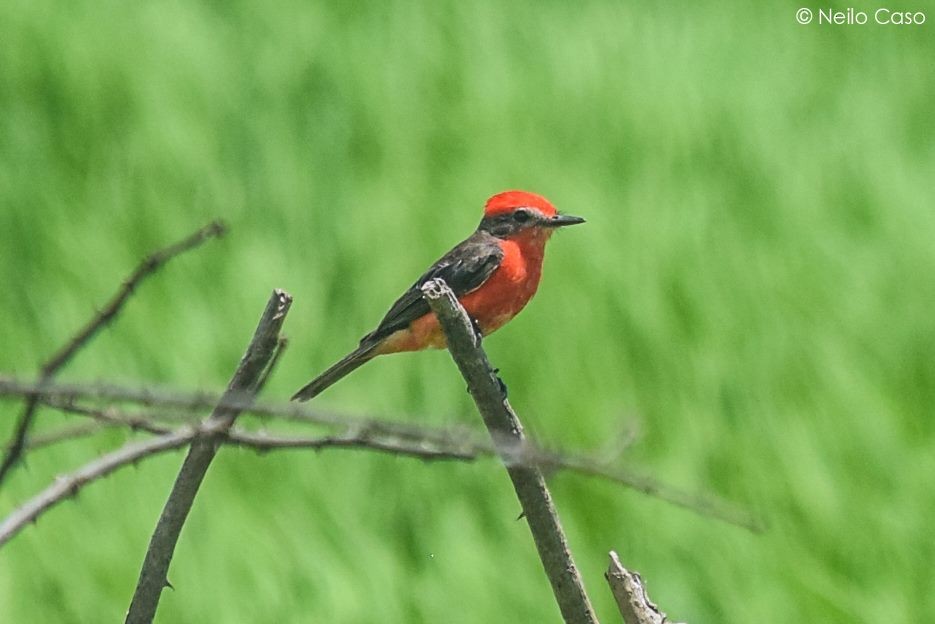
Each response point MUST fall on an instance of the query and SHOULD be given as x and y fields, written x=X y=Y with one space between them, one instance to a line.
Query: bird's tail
x=358 y=357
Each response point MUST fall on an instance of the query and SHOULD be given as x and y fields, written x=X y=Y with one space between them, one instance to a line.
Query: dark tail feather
x=359 y=357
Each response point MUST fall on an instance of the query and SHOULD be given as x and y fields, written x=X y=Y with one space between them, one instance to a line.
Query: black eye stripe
x=506 y=224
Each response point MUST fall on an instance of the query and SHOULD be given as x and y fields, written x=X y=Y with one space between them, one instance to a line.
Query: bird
x=493 y=273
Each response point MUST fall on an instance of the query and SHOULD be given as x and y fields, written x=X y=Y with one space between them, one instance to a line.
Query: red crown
x=510 y=200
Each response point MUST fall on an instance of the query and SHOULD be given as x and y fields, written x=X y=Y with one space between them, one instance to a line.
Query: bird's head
x=523 y=215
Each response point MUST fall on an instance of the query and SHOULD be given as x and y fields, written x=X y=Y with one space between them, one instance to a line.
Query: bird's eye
x=521 y=215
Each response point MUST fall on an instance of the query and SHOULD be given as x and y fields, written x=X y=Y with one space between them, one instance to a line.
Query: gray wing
x=464 y=269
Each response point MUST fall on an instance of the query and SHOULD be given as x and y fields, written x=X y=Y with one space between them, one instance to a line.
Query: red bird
x=494 y=274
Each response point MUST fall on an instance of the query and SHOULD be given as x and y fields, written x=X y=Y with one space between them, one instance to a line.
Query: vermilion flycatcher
x=494 y=274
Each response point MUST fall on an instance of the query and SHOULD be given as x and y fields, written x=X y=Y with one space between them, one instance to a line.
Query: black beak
x=562 y=220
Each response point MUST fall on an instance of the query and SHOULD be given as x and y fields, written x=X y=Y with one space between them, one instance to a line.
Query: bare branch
x=57 y=395
x=147 y=267
x=281 y=345
x=630 y=594
x=489 y=394
x=360 y=440
x=113 y=417
x=432 y=447
x=243 y=385
x=437 y=444
x=64 y=396
x=68 y=486
x=64 y=434
x=704 y=505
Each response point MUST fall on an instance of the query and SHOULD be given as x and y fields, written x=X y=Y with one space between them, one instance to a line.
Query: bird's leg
x=478 y=337
x=503 y=389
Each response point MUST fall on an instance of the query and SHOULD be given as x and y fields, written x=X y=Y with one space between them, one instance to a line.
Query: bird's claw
x=503 y=388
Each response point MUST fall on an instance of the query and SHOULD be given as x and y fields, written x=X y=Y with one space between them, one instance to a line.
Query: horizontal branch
x=707 y=506
x=113 y=417
x=67 y=486
x=56 y=394
x=427 y=450
x=64 y=434
x=353 y=437
x=65 y=396
x=435 y=446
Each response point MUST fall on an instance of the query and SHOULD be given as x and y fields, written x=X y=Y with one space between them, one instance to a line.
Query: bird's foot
x=503 y=388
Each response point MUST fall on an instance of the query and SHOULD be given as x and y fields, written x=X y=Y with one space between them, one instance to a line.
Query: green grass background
x=754 y=288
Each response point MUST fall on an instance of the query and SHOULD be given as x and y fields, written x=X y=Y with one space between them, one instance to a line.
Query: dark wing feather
x=464 y=269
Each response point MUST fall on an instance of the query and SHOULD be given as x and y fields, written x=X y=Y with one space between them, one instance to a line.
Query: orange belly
x=492 y=305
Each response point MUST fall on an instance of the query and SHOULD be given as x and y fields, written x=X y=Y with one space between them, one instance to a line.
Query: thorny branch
x=65 y=434
x=67 y=486
x=489 y=394
x=352 y=436
x=56 y=395
x=66 y=397
x=244 y=384
x=147 y=267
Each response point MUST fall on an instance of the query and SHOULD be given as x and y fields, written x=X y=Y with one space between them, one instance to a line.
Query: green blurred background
x=754 y=290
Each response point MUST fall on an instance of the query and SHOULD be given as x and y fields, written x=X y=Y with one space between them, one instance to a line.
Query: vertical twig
x=630 y=594
x=147 y=267
x=489 y=394
x=242 y=387
x=267 y=372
